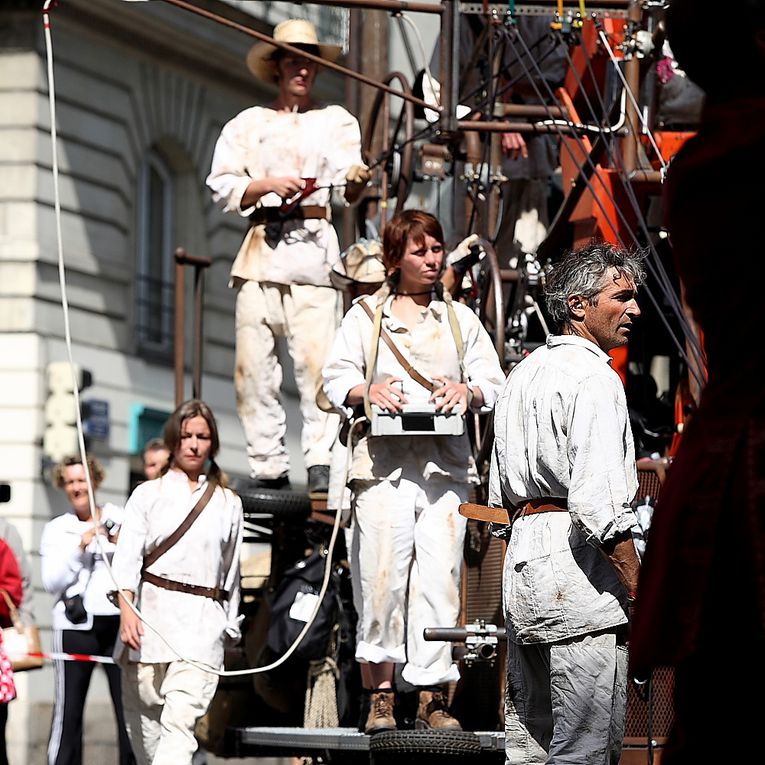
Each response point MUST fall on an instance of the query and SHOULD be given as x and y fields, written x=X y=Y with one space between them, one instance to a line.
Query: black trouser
x=3 y=723
x=72 y=683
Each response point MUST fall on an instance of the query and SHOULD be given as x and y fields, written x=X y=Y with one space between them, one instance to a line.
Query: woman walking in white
x=74 y=570
x=178 y=561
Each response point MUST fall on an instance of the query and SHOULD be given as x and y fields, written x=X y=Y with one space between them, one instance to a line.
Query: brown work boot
x=380 y=715
x=433 y=712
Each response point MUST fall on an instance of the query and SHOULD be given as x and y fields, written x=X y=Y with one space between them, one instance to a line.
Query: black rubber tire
x=453 y=743
x=287 y=506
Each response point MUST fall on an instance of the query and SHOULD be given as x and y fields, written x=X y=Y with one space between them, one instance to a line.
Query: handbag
x=21 y=642
x=74 y=605
x=74 y=608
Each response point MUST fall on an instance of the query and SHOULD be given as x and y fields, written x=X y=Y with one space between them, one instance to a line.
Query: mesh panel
x=479 y=697
x=648 y=485
x=649 y=710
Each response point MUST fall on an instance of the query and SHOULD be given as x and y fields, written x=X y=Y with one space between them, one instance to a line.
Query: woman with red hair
x=407 y=531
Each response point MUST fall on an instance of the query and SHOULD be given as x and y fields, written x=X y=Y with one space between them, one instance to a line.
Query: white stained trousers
x=406 y=563
x=162 y=704
x=524 y=216
x=308 y=317
x=566 y=702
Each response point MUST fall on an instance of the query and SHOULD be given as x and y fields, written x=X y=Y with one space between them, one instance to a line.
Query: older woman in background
x=73 y=550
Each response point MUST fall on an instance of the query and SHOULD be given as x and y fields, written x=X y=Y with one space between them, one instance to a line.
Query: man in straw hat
x=278 y=165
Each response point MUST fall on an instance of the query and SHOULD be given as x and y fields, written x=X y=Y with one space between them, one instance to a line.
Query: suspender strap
x=386 y=338
x=379 y=333
x=456 y=332
x=166 y=544
x=371 y=361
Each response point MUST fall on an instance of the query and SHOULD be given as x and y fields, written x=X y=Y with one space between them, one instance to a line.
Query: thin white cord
x=631 y=96
x=605 y=129
x=59 y=240
x=80 y=434
x=425 y=64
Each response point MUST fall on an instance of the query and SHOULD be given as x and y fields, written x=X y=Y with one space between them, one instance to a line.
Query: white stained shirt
x=67 y=570
x=431 y=349
x=321 y=143
x=562 y=429
x=206 y=555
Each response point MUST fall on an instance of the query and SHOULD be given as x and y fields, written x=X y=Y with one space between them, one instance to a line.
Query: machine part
x=481 y=640
x=416 y=420
x=434 y=159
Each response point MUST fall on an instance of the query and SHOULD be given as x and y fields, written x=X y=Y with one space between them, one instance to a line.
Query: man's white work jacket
x=562 y=429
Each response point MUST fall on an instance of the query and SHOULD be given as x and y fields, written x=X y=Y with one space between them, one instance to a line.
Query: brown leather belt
x=485 y=513
x=263 y=215
x=542 y=505
x=216 y=593
x=501 y=515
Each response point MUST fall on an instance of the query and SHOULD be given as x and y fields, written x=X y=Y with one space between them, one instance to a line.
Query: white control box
x=416 y=420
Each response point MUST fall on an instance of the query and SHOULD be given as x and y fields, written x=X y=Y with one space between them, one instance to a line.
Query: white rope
x=320 y=709
x=632 y=98
x=80 y=434
x=436 y=91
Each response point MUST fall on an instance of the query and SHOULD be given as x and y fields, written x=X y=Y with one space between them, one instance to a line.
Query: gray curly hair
x=581 y=271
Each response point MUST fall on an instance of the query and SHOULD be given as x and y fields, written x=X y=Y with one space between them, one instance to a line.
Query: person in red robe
x=700 y=605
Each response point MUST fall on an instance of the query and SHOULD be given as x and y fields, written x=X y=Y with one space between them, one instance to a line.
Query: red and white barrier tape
x=66 y=657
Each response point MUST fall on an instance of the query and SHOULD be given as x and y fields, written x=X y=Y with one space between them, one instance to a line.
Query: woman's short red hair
x=406 y=225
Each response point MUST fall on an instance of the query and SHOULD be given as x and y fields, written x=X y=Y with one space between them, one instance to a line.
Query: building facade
x=141 y=90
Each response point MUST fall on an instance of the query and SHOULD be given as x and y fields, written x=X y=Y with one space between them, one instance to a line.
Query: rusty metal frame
x=183 y=259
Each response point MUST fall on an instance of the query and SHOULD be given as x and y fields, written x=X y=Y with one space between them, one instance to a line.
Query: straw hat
x=360 y=267
x=293 y=32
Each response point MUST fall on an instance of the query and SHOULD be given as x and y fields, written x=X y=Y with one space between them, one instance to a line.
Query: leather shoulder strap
x=456 y=332
x=411 y=371
x=167 y=543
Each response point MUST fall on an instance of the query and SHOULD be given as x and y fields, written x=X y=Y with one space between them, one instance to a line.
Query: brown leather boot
x=433 y=712
x=380 y=715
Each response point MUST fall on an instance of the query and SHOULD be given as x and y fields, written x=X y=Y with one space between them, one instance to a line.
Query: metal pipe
x=396 y=6
x=632 y=78
x=472 y=147
x=179 y=345
x=530 y=110
x=510 y=274
x=616 y=5
x=182 y=259
x=524 y=127
x=300 y=52
x=353 y=101
x=449 y=60
x=199 y=281
x=646 y=176
x=496 y=176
